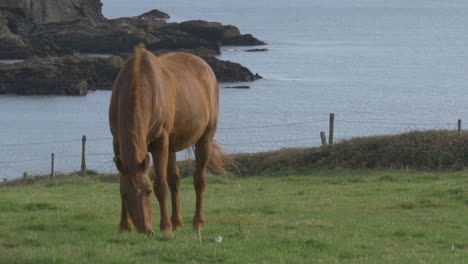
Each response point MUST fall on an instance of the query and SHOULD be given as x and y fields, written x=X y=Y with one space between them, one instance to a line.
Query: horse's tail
x=219 y=160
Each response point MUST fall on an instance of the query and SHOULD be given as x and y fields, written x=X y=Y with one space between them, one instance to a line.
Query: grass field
x=325 y=216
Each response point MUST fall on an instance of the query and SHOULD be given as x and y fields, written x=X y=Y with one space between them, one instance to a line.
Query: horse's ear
x=144 y=165
x=118 y=163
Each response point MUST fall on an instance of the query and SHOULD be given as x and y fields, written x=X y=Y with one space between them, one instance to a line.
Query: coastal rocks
x=227 y=71
x=68 y=75
x=150 y=26
x=237 y=87
x=91 y=33
x=154 y=14
x=12 y=44
x=211 y=31
x=120 y=35
x=170 y=37
x=54 y=28
x=82 y=36
x=256 y=50
x=123 y=34
x=76 y=75
x=242 y=40
x=23 y=15
x=219 y=33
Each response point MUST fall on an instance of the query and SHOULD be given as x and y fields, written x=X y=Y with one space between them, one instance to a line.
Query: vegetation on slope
x=428 y=150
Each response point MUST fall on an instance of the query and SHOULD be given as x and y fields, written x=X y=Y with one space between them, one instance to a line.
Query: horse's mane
x=135 y=102
x=136 y=115
x=135 y=86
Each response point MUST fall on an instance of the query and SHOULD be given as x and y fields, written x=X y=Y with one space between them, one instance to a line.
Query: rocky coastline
x=55 y=36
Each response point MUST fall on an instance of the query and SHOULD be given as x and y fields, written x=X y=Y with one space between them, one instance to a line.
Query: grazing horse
x=163 y=105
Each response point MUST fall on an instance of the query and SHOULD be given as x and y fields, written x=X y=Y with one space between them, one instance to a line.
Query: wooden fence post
x=332 y=128
x=459 y=127
x=83 y=156
x=323 y=137
x=52 y=165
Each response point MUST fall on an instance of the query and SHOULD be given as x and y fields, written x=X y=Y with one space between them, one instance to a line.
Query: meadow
x=322 y=216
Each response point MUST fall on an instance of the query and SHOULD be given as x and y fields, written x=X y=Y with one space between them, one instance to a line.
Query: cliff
x=23 y=15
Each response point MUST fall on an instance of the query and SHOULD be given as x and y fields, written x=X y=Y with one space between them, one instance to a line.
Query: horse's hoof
x=177 y=224
x=166 y=229
x=125 y=229
x=166 y=234
x=198 y=224
x=177 y=227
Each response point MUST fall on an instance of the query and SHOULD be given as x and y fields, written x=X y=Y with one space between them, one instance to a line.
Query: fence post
x=459 y=127
x=83 y=156
x=332 y=128
x=52 y=165
x=323 y=137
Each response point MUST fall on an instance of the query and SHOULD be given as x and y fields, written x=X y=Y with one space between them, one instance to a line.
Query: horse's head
x=135 y=192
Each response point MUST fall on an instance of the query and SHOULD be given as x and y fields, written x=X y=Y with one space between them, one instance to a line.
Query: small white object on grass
x=218 y=240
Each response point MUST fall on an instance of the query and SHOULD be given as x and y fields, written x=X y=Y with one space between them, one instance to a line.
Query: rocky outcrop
x=122 y=35
x=68 y=75
x=150 y=26
x=237 y=87
x=256 y=50
x=54 y=28
x=76 y=75
x=115 y=36
x=154 y=15
x=243 y=40
x=23 y=15
x=82 y=36
x=211 y=31
x=227 y=71
x=12 y=45
x=219 y=33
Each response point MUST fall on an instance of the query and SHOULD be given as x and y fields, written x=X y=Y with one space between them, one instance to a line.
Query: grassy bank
x=331 y=216
x=435 y=150
x=422 y=150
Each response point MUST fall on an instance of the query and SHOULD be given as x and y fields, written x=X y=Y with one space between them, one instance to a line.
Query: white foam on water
x=10 y=61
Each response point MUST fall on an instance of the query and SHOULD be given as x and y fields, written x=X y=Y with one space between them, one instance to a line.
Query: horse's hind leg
x=173 y=179
x=202 y=154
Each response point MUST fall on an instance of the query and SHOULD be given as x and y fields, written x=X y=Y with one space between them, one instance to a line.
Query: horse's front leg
x=173 y=179
x=126 y=224
x=160 y=152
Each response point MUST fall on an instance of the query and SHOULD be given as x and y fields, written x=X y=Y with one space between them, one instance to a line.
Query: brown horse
x=163 y=105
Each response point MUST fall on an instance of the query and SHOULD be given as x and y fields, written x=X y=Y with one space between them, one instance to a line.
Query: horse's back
x=187 y=67
x=197 y=97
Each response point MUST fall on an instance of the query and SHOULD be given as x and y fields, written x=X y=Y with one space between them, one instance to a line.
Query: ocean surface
x=383 y=67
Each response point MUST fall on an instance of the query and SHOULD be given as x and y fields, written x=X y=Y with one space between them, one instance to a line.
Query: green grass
x=329 y=216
